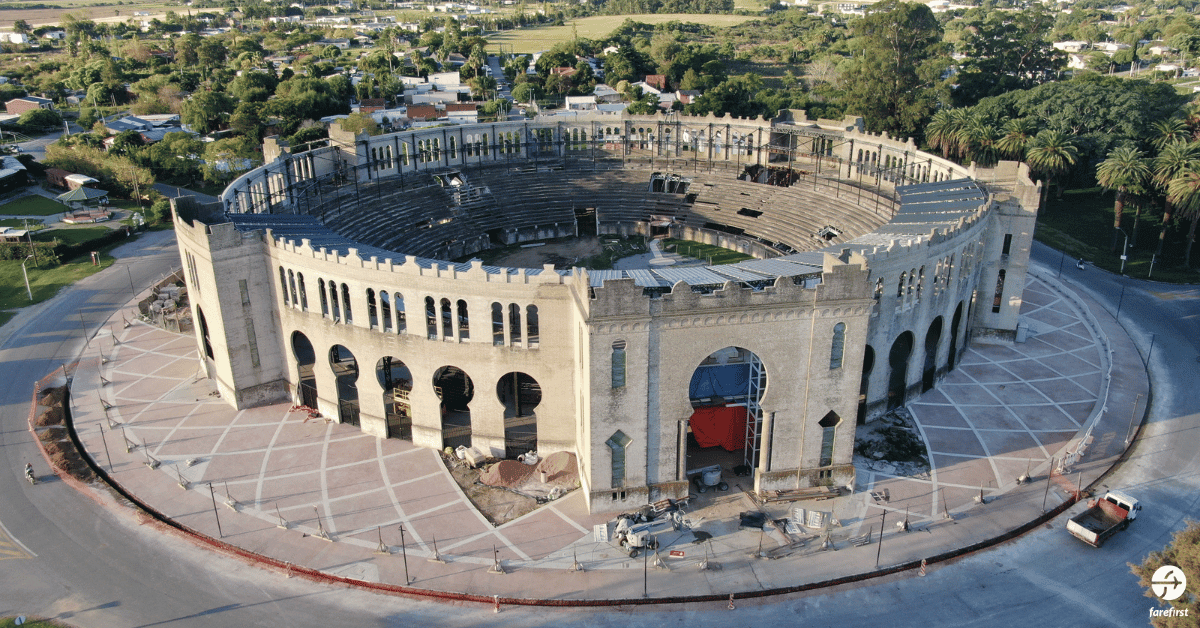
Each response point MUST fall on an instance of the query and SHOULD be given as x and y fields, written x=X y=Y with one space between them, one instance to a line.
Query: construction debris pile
x=892 y=446
x=544 y=480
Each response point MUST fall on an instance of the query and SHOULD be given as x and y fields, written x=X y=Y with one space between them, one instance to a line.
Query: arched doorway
x=306 y=358
x=864 y=385
x=453 y=386
x=396 y=381
x=933 y=339
x=726 y=420
x=954 y=323
x=345 y=370
x=898 y=361
x=520 y=394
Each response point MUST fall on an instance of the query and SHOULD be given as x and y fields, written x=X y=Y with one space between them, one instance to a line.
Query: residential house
x=27 y=103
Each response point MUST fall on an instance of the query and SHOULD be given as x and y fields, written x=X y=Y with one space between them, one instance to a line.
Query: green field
x=45 y=283
x=76 y=235
x=708 y=252
x=22 y=223
x=529 y=40
x=32 y=205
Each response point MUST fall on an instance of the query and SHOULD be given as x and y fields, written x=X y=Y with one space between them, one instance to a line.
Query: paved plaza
x=283 y=481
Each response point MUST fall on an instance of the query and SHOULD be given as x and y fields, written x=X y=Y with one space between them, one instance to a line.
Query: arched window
x=878 y=289
x=617 y=444
x=385 y=311
x=303 y=293
x=431 y=329
x=324 y=297
x=618 y=364
x=514 y=324
x=346 y=304
x=372 y=310
x=497 y=324
x=335 y=310
x=447 y=319
x=920 y=282
x=401 y=320
x=464 y=320
x=292 y=288
x=283 y=284
x=453 y=148
x=828 y=427
x=532 y=333
x=839 y=346
x=900 y=286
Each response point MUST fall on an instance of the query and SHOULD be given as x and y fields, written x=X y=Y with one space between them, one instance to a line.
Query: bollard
x=922 y=567
x=731 y=606
x=496 y=608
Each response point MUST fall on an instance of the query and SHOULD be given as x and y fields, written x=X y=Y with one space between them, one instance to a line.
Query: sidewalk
x=283 y=481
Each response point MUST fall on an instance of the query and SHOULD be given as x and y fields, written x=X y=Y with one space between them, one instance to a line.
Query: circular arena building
x=323 y=277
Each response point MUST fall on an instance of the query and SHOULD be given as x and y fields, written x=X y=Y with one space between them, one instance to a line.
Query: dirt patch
x=55 y=440
x=508 y=489
x=563 y=254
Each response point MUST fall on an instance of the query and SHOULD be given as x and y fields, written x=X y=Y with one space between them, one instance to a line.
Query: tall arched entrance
x=726 y=421
x=933 y=339
x=898 y=361
x=345 y=370
x=306 y=358
x=396 y=381
x=453 y=386
x=520 y=394
x=954 y=323
x=864 y=386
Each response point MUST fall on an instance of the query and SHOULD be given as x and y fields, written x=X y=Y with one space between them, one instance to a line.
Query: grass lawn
x=11 y=622
x=529 y=40
x=76 y=235
x=712 y=254
x=1081 y=225
x=44 y=282
x=21 y=223
x=32 y=205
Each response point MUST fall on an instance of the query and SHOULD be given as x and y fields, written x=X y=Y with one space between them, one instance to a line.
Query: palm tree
x=1167 y=131
x=982 y=140
x=1172 y=161
x=960 y=141
x=1124 y=170
x=1051 y=153
x=937 y=131
x=1017 y=133
x=1184 y=193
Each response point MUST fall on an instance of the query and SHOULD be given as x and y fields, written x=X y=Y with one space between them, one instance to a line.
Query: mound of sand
x=506 y=473
x=558 y=465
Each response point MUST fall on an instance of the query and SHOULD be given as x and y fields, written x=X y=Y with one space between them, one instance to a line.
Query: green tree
x=206 y=112
x=1125 y=171
x=40 y=118
x=246 y=120
x=1167 y=131
x=360 y=122
x=1184 y=553
x=23 y=27
x=1172 y=160
x=1051 y=153
x=899 y=58
x=1007 y=50
x=522 y=93
x=1016 y=136
x=1184 y=193
x=227 y=158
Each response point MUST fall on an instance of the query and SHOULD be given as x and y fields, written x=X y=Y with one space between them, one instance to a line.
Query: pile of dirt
x=52 y=434
x=53 y=397
x=506 y=474
x=50 y=416
x=558 y=466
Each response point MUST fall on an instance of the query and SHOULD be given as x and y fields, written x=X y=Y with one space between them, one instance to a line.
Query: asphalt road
x=95 y=567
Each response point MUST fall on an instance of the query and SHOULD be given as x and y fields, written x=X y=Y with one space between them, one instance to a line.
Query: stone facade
x=288 y=311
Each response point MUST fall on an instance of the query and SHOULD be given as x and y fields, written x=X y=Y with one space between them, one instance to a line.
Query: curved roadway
x=63 y=555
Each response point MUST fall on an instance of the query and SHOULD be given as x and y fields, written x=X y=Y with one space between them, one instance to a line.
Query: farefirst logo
x=1168 y=583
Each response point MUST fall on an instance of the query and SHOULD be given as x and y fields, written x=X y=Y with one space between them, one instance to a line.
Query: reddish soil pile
x=558 y=465
x=506 y=473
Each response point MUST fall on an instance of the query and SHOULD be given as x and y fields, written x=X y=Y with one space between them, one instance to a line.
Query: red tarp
x=720 y=426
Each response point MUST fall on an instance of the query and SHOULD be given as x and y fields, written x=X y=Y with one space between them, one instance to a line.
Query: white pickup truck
x=1104 y=518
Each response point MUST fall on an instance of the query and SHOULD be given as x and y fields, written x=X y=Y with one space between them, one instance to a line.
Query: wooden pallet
x=797 y=494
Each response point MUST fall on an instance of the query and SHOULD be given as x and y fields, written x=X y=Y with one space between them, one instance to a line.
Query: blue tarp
x=722 y=380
